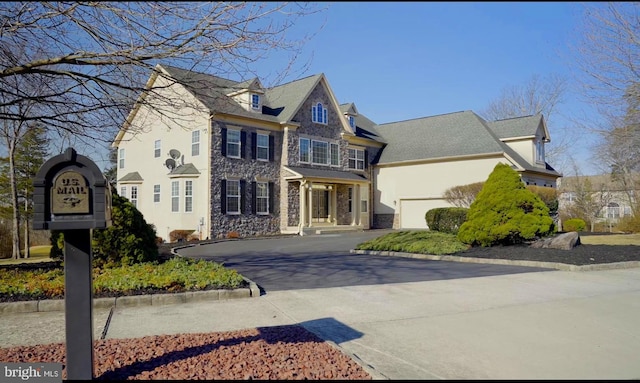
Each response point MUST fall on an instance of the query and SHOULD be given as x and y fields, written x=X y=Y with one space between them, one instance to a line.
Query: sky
x=404 y=60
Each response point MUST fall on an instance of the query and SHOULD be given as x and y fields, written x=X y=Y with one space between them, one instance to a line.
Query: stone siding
x=246 y=223
x=383 y=221
x=344 y=216
x=293 y=203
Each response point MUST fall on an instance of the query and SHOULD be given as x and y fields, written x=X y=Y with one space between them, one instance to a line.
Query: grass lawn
x=613 y=239
x=37 y=254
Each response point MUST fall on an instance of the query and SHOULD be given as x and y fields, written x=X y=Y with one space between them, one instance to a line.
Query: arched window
x=319 y=113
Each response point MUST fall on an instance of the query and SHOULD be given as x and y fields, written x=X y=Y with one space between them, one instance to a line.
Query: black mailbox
x=71 y=193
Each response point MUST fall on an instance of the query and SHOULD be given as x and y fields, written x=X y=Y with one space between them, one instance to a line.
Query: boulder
x=564 y=241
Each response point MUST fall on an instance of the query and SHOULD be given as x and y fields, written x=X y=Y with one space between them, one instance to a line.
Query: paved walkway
x=540 y=325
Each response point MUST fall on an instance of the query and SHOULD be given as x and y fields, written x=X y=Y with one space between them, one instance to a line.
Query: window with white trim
x=195 y=142
x=123 y=191
x=262 y=147
x=134 y=196
x=540 y=151
x=121 y=158
x=364 y=198
x=233 y=143
x=356 y=159
x=319 y=152
x=233 y=196
x=335 y=154
x=175 y=196
x=188 y=196
x=255 y=101
x=319 y=114
x=304 y=150
x=156 y=149
x=156 y=193
x=352 y=121
x=262 y=198
x=613 y=210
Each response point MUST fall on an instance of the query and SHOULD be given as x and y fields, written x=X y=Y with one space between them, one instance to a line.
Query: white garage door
x=412 y=212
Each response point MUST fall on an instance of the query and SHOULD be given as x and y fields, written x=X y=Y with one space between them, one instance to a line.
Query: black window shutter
x=254 y=197
x=243 y=143
x=223 y=148
x=271 y=197
x=223 y=196
x=271 y=147
x=366 y=159
x=243 y=192
x=254 y=145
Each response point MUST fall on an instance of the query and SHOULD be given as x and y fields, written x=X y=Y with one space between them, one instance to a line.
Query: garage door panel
x=412 y=212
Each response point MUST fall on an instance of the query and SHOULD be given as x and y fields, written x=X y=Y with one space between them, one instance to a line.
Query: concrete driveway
x=324 y=261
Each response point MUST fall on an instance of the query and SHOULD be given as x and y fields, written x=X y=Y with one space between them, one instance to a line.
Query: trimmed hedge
x=574 y=224
x=446 y=219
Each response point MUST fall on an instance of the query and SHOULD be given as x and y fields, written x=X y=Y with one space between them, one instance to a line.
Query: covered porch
x=321 y=201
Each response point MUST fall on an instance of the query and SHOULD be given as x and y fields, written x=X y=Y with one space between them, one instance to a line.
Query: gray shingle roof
x=287 y=98
x=186 y=169
x=131 y=177
x=446 y=135
x=516 y=127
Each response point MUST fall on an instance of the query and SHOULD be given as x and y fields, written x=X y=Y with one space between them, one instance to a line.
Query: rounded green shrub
x=505 y=212
x=446 y=219
x=574 y=224
x=129 y=239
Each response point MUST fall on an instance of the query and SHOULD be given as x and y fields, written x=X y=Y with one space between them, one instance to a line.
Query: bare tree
x=96 y=57
x=589 y=198
x=540 y=95
x=463 y=195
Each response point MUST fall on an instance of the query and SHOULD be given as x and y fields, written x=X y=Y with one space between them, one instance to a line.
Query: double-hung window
x=335 y=154
x=356 y=159
x=255 y=101
x=188 y=196
x=121 y=159
x=175 y=196
x=233 y=143
x=304 y=150
x=156 y=193
x=195 y=142
x=123 y=191
x=262 y=198
x=319 y=152
x=319 y=113
x=156 y=149
x=233 y=196
x=540 y=151
x=352 y=121
x=134 y=195
x=262 y=147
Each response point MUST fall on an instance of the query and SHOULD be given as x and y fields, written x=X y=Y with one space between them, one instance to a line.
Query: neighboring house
x=220 y=156
x=617 y=200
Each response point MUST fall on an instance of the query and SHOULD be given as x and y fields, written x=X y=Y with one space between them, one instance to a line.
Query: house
x=610 y=196
x=218 y=157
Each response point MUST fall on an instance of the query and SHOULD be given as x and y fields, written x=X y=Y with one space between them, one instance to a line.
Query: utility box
x=71 y=193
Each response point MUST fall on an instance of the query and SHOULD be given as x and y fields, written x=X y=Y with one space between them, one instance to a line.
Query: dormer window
x=352 y=122
x=255 y=101
x=319 y=114
x=540 y=151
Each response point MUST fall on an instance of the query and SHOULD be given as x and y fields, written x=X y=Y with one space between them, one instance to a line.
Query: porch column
x=355 y=202
x=310 y=202
x=334 y=204
x=303 y=203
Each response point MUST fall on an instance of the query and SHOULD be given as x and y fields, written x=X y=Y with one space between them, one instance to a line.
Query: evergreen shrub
x=446 y=219
x=574 y=224
x=505 y=212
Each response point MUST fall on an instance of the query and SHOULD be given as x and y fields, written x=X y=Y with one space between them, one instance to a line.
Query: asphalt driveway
x=322 y=261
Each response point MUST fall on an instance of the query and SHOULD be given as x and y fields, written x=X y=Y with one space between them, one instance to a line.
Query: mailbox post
x=72 y=195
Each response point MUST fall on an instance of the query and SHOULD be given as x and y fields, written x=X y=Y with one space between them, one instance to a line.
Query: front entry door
x=320 y=208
